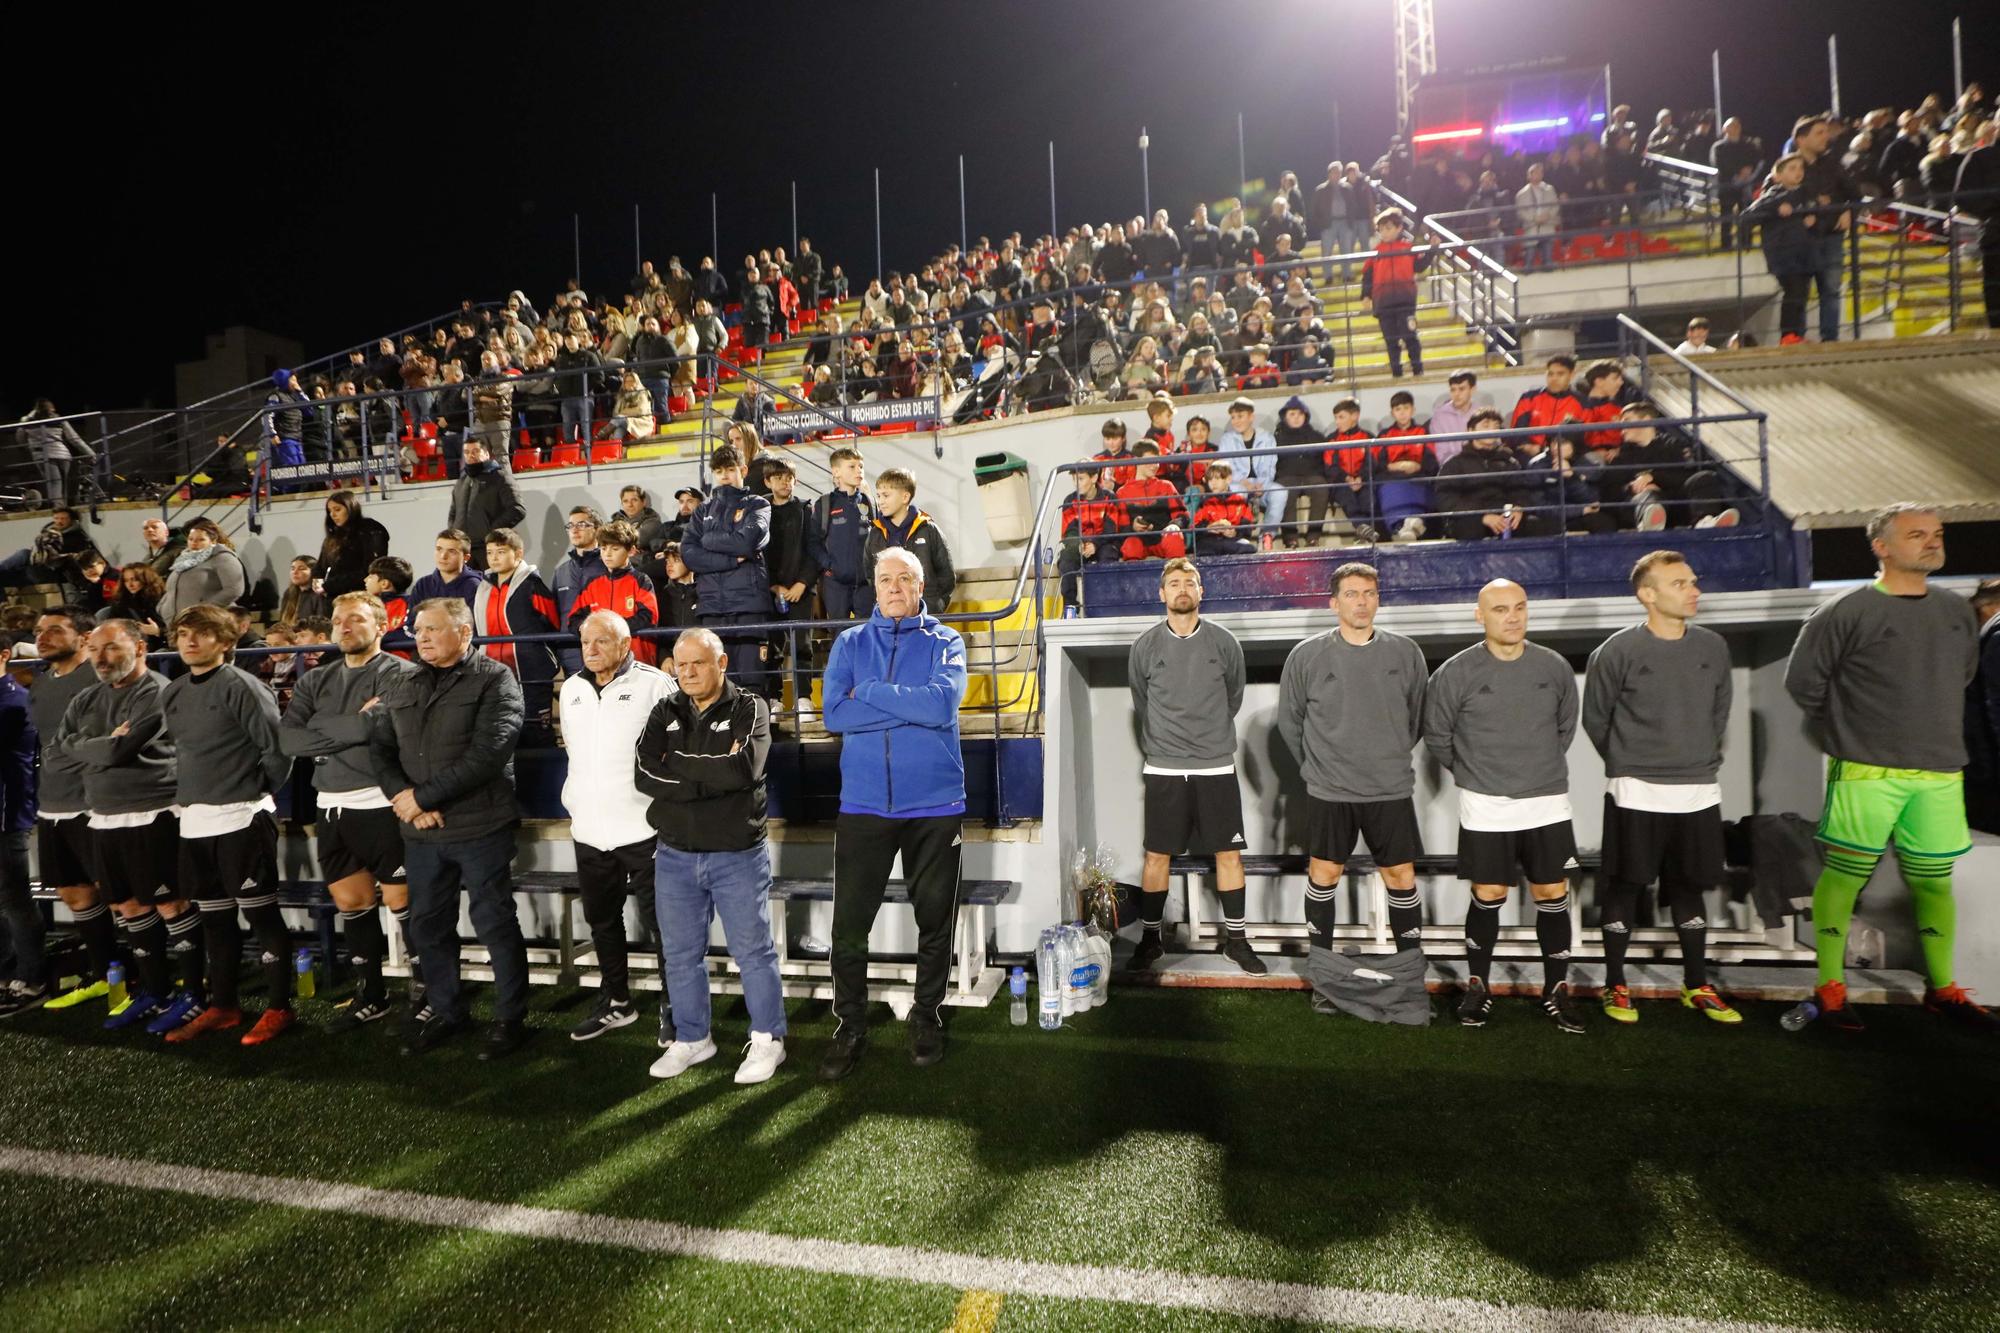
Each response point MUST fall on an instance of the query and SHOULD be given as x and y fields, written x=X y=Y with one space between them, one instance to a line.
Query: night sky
x=331 y=173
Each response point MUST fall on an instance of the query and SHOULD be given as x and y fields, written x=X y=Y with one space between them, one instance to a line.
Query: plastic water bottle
x=1100 y=955
x=1065 y=970
x=1507 y=524
x=1083 y=970
x=302 y=964
x=114 y=980
x=1047 y=986
x=1017 y=986
x=1799 y=1017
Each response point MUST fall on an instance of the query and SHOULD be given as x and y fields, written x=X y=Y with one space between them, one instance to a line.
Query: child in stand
x=1224 y=522
x=1398 y=473
x=1347 y=475
x=1153 y=510
x=1389 y=290
x=389 y=578
x=279 y=670
x=1262 y=374
x=1160 y=430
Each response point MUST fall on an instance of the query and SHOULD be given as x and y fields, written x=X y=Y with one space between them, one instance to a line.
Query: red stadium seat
x=607 y=451
x=566 y=454
x=679 y=403
x=528 y=459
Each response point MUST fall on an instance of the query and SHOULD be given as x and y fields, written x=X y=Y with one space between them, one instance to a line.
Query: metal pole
x=1607 y=92
x=1242 y=170
x=1715 y=74
x=1957 y=59
x=714 y=231
x=1833 y=70
x=1054 y=230
x=795 y=219
x=962 y=233
x=576 y=244
x=878 y=222
x=638 y=257
x=1336 y=130
x=1145 y=175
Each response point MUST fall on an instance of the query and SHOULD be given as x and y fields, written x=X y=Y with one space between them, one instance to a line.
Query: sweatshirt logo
x=720 y=726
x=1647 y=671
x=674 y=725
x=1486 y=689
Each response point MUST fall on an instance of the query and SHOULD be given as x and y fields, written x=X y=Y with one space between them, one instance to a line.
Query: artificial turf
x=1673 y=1168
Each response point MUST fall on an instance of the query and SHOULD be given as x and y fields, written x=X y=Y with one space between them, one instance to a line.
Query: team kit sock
x=1482 y=933
x=1552 y=932
x=1842 y=877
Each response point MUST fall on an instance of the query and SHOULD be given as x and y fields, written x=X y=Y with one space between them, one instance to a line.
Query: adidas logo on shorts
x=249 y=886
x=1236 y=837
x=400 y=872
x=1572 y=864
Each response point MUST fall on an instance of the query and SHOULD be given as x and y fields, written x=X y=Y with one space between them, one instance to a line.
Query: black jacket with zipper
x=451 y=736
x=706 y=798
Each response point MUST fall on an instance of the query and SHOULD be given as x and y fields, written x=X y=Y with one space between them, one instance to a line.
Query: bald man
x=1500 y=716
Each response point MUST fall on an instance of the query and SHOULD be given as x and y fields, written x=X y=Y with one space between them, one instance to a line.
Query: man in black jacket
x=442 y=746
x=649 y=354
x=1979 y=195
x=1481 y=489
x=806 y=271
x=788 y=563
x=1835 y=191
x=483 y=498
x=1738 y=160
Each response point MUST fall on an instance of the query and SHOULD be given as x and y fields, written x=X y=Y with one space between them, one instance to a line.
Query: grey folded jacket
x=1379 y=989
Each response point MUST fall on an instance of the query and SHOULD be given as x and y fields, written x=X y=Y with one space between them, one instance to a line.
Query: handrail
x=1680 y=163
x=1632 y=325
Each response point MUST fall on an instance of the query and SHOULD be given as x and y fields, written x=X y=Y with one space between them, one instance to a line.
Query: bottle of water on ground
x=1799 y=1016
x=302 y=964
x=1066 y=969
x=1083 y=970
x=114 y=981
x=1017 y=987
x=1048 y=985
x=1099 y=945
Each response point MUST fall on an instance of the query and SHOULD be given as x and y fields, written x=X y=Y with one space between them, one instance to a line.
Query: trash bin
x=1004 y=496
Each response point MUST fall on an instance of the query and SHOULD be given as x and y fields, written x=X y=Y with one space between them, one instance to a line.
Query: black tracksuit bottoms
x=864 y=851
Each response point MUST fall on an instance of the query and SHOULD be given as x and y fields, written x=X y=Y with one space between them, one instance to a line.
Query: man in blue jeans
x=701 y=759
x=441 y=740
x=892 y=689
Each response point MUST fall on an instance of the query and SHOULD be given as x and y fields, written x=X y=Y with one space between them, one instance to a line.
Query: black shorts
x=358 y=842
x=1199 y=815
x=139 y=864
x=236 y=867
x=1389 y=828
x=62 y=848
x=1545 y=855
x=1682 y=851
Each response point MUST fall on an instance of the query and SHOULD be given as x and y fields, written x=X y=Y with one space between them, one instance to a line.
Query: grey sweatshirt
x=1503 y=728
x=1352 y=714
x=1657 y=708
x=122 y=775
x=325 y=722
x=1186 y=693
x=1882 y=678
x=224 y=725
x=48 y=699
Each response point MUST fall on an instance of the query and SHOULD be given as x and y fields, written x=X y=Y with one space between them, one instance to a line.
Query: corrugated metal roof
x=1858 y=426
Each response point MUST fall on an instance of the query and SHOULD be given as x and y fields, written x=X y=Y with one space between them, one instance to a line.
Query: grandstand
x=1209 y=1150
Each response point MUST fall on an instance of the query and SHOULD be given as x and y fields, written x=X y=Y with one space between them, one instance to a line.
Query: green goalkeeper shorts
x=1866 y=805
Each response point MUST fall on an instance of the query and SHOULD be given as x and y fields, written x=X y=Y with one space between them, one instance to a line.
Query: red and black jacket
x=1266 y=376
x=1350 y=463
x=1539 y=408
x=1164 y=438
x=1112 y=478
x=396 y=638
x=626 y=593
x=1389 y=279
x=1606 y=410
x=1157 y=501
x=1229 y=507
x=1093 y=519
x=521 y=605
x=1381 y=456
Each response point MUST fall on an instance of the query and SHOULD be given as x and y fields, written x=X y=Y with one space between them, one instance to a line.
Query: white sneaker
x=1411 y=529
x=681 y=1055
x=1728 y=518
x=765 y=1054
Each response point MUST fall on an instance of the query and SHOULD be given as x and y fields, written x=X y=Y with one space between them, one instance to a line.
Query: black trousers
x=864 y=851
x=20 y=914
x=746 y=652
x=1794 y=290
x=606 y=881
x=1729 y=202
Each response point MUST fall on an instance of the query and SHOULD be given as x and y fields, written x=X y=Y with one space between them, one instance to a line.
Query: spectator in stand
x=1115 y=454
x=1223 y=523
x=451 y=578
x=1603 y=398
x=389 y=579
x=621 y=590
x=1551 y=405
x=837 y=535
x=1677 y=489
x=1696 y=343
x=1201 y=372
x=286 y=410
x=1389 y=289
x=650 y=353
x=1152 y=510
x=679 y=608
x=788 y=562
x=482 y=499
x=1091 y=522
x=580 y=564
x=1308 y=366
x=300 y=600
x=1902 y=156
x=577 y=367
x=1453 y=411
x=686 y=500
x=1302 y=475
x=1159 y=250
x=1200 y=240
x=1538 y=212
x=632 y=410
x=512 y=599
x=1400 y=492
x=710 y=285
x=1490 y=201
x=138 y=600
x=759 y=308
x=1833 y=192
x=1160 y=430
x=56 y=449
x=807 y=271
x=1789 y=218
x=1260 y=472
x=899 y=524
x=1978 y=194
x=492 y=409
x=161 y=544
x=1482 y=492
x=98 y=586
x=1345 y=473
x=637 y=506
x=724 y=545
x=1261 y=372
x=207 y=573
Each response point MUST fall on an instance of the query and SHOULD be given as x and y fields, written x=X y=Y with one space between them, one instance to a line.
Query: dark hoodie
x=347 y=552
x=1301 y=469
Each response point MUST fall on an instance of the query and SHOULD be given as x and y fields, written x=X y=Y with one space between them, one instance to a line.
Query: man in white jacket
x=1538 y=208
x=604 y=709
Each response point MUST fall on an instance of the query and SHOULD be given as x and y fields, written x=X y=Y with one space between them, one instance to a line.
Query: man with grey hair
x=701 y=759
x=604 y=710
x=899 y=675
x=442 y=747
x=1880 y=672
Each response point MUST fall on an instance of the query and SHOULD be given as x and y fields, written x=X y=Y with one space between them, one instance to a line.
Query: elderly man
x=702 y=760
x=161 y=548
x=900 y=676
x=604 y=710
x=442 y=746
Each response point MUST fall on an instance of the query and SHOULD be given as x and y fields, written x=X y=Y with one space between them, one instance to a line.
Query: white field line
x=1010 y=1277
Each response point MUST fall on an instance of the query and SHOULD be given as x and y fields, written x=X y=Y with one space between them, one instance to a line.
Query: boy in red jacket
x=1389 y=289
x=1224 y=522
x=1602 y=383
x=1160 y=430
x=1347 y=469
x=1551 y=405
x=1114 y=451
x=1153 y=510
x=1261 y=373
x=621 y=590
x=1398 y=473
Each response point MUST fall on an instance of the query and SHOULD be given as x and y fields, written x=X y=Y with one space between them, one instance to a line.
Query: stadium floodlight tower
x=1416 y=54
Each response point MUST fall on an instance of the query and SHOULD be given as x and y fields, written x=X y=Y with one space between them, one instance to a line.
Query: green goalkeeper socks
x=1929 y=878
x=1841 y=880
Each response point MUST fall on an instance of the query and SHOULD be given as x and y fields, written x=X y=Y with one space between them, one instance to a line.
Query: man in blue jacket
x=723 y=544
x=893 y=686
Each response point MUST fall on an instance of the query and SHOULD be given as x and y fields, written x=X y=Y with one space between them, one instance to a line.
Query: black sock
x=225 y=954
x=1406 y=918
x=1620 y=903
x=100 y=939
x=361 y=932
x=1322 y=907
x=1233 y=909
x=401 y=915
x=146 y=935
x=1482 y=932
x=1693 y=928
x=267 y=923
x=1152 y=911
x=1552 y=932
x=184 y=948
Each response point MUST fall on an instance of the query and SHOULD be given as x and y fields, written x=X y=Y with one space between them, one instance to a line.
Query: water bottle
x=1046 y=985
x=1100 y=954
x=1083 y=971
x=1065 y=970
x=302 y=964
x=1017 y=986
x=1799 y=1017
x=1507 y=526
x=114 y=980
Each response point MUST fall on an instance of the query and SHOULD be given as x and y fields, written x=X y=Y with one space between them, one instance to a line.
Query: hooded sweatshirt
x=1301 y=469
